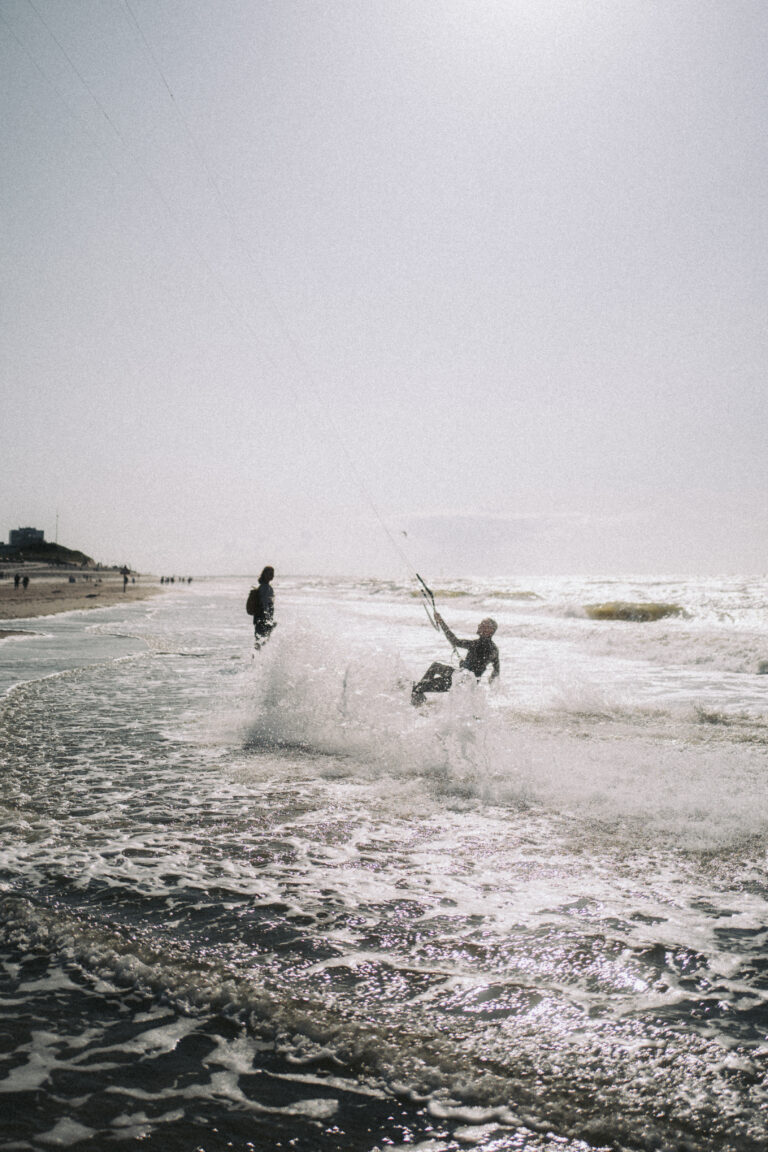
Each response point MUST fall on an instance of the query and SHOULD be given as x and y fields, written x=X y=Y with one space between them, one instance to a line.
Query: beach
x=258 y=900
x=50 y=592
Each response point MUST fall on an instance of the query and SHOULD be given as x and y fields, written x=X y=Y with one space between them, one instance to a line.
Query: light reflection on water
x=288 y=906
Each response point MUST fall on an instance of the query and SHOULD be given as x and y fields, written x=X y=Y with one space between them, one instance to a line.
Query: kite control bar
x=430 y=608
x=429 y=603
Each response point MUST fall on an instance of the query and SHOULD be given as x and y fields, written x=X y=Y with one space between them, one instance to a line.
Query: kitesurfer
x=480 y=653
x=261 y=605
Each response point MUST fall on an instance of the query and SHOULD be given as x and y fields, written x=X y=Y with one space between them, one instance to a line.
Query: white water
x=535 y=908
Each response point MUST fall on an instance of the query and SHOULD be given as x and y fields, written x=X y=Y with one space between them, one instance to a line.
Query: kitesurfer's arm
x=496 y=668
x=452 y=639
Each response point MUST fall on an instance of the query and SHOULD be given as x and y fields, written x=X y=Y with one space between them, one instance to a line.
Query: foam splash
x=308 y=693
x=585 y=752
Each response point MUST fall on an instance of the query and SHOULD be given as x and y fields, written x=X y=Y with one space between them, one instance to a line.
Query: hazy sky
x=492 y=273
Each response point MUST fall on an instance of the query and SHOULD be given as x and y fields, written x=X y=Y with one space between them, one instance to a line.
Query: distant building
x=19 y=537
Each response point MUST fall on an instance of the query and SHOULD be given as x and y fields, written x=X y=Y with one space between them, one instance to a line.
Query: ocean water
x=258 y=901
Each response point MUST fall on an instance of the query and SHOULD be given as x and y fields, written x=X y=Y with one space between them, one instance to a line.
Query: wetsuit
x=262 y=600
x=439 y=677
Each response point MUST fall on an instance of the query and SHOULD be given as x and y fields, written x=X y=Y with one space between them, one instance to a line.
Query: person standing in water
x=480 y=653
x=261 y=605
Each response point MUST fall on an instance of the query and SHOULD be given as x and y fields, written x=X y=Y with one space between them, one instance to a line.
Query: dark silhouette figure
x=261 y=605
x=25 y=583
x=16 y=580
x=480 y=653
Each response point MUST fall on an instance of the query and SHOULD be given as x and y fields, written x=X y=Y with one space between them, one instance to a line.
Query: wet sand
x=48 y=594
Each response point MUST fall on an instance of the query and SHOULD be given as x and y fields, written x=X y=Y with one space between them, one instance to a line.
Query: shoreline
x=51 y=593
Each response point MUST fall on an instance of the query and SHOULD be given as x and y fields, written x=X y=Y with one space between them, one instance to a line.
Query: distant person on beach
x=16 y=580
x=25 y=583
x=480 y=653
x=261 y=605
